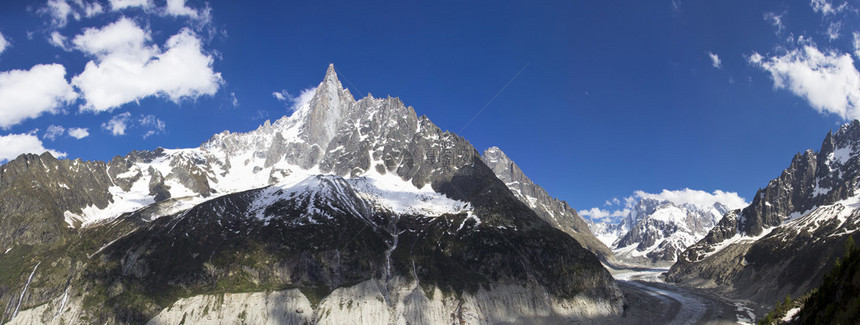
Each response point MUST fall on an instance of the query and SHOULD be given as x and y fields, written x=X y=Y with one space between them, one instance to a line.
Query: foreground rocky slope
x=837 y=300
x=792 y=232
x=348 y=207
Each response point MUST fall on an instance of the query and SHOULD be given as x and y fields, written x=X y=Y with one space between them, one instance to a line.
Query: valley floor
x=652 y=301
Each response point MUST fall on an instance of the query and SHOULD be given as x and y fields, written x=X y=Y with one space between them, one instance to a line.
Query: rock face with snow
x=655 y=231
x=345 y=200
x=791 y=233
x=552 y=210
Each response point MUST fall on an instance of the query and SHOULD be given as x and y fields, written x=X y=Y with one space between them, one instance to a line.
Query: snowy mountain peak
x=329 y=133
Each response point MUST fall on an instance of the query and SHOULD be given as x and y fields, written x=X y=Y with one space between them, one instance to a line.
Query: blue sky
x=603 y=98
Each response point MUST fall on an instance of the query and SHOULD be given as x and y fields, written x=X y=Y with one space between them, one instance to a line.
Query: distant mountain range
x=655 y=231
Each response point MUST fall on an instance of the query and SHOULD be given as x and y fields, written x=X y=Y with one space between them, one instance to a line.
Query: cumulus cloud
x=123 y=4
x=828 y=81
x=79 y=133
x=295 y=102
x=122 y=37
x=701 y=199
x=715 y=60
x=13 y=145
x=29 y=93
x=117 y=124
x=3 y=43
x=126 y=68
x=53 y=132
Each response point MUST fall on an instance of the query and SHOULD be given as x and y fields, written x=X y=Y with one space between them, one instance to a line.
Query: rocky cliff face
x=552 y=210
x=343 y=197
x=784 y=241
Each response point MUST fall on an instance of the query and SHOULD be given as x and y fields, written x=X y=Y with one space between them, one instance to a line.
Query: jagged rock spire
x=328 y=108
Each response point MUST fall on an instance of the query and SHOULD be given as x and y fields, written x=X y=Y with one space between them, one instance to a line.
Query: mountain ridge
x=790 y=234
x=552 y=210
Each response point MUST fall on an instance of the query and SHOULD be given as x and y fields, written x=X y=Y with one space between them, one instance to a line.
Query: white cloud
x=715 y=60
x=90 y=9
x=121 y=123
x=60 y=10
x=127 y=69
x=826 y=8
x=121 y=37
x=828 y=81
x=117 y=124
x=13 y=145
x=79 y=133
x=123 y=4
x=697 y=198
x=58 y=40
x=155 y=125
x=178 y=8
x=3 y=43
x=833 y=30
x=29 y=93
x=279 y=95
x=775 y=20
x=601 y=215
x=53 y=132
x=295 y=102
x=857 y=45
x=700 y=199
x=613 y=201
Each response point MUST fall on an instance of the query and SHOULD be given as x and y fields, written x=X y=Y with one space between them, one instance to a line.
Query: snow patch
x=789 y=315
x=745 y=314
